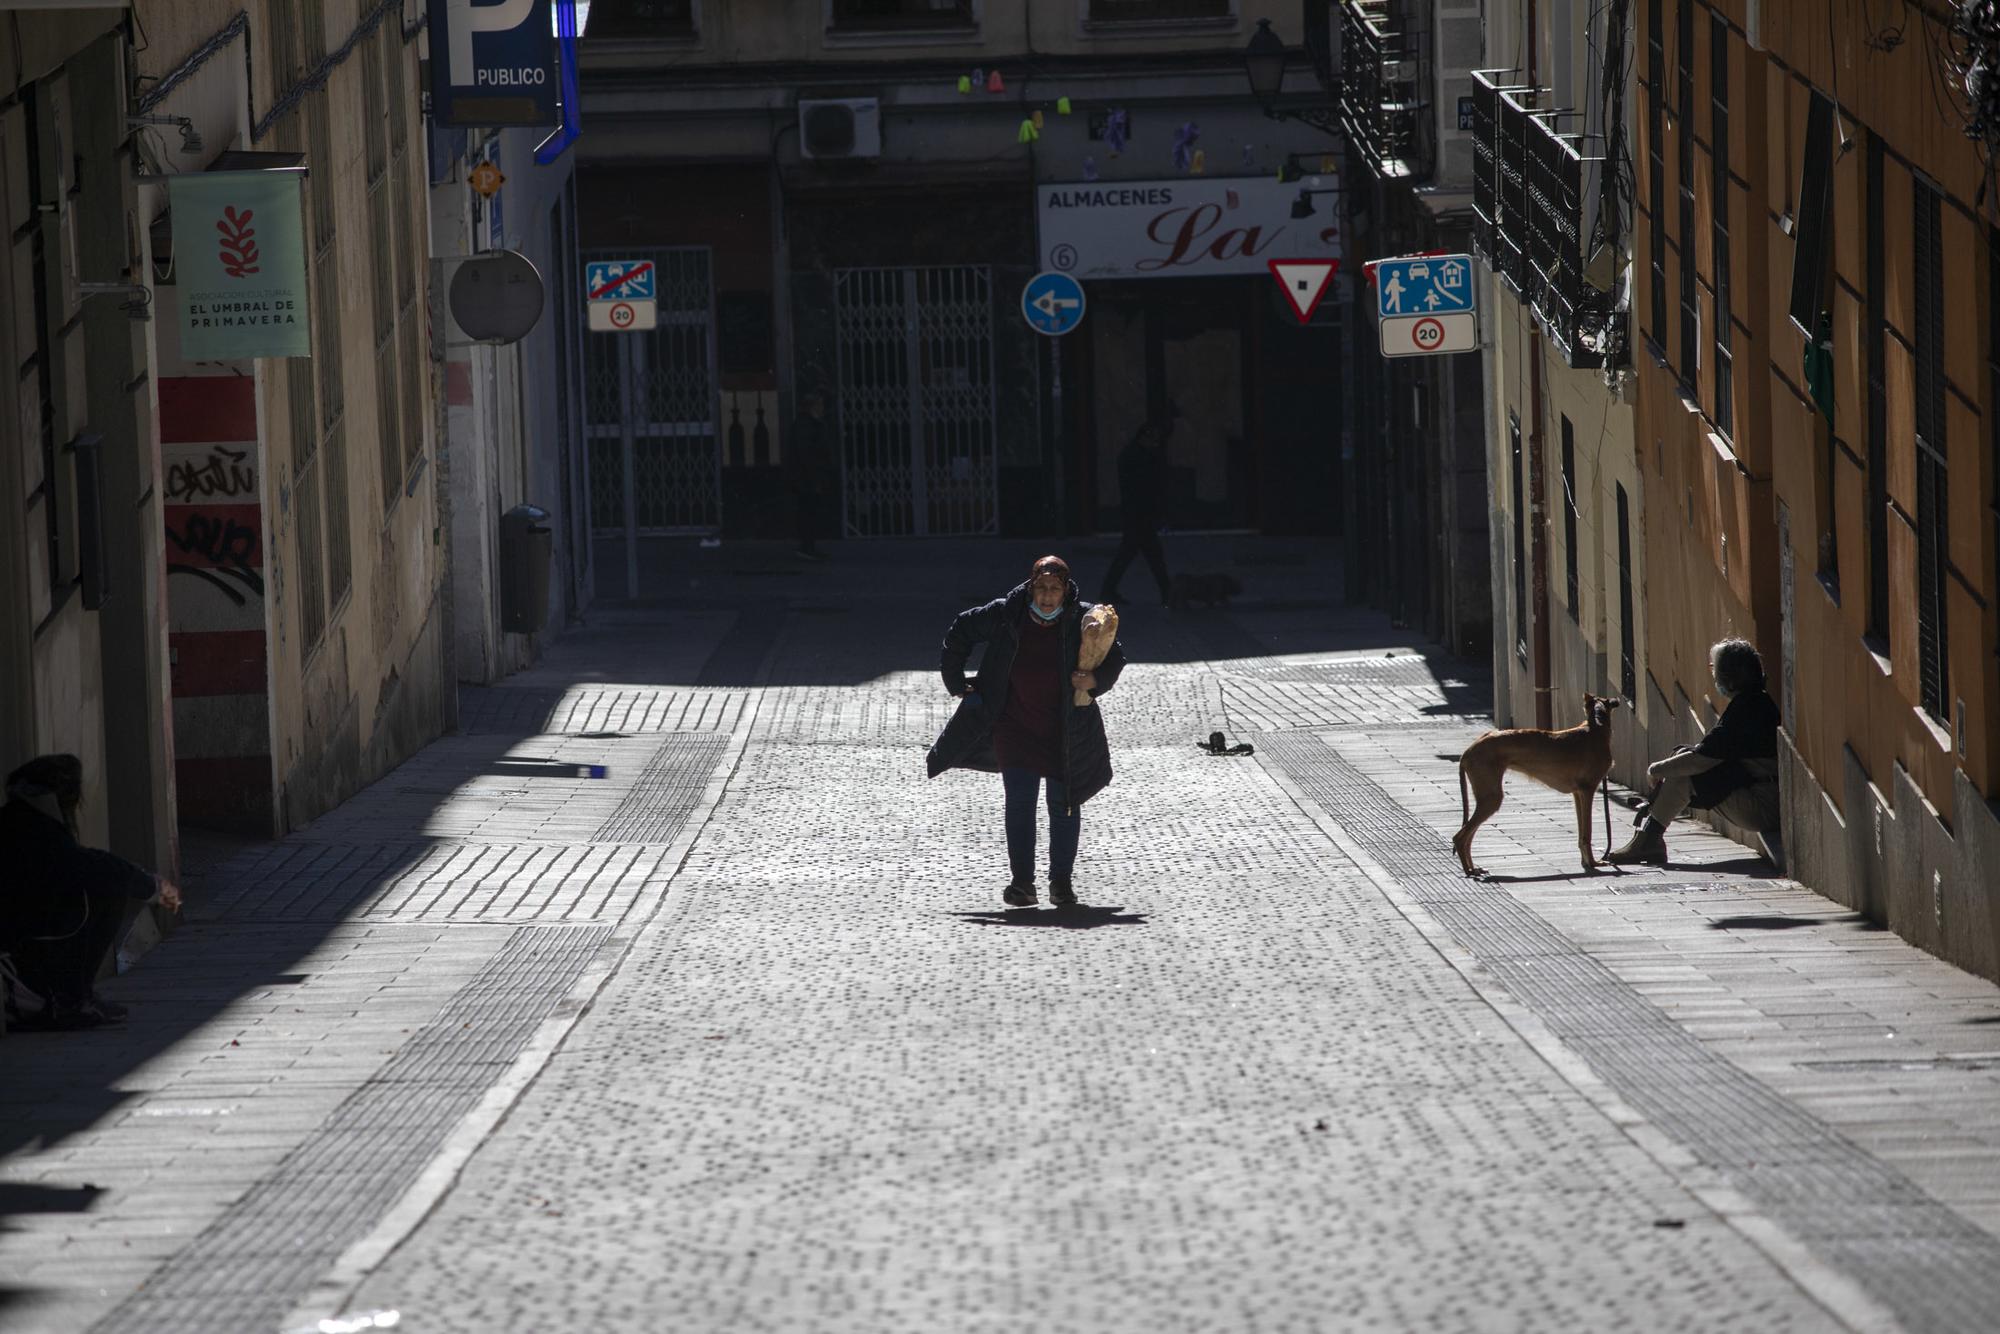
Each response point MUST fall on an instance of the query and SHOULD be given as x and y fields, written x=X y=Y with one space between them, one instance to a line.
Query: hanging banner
x=240 y=264
x=494 y=64
x=1188 y=227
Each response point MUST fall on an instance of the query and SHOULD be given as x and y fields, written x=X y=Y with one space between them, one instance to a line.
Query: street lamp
x=1264 y=61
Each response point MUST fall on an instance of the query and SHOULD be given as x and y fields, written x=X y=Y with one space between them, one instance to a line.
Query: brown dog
x=1574 y=760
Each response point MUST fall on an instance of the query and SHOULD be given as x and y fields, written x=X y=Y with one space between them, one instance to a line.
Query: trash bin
x=527 y=545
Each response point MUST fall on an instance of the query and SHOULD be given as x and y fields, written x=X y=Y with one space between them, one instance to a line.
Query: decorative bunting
x=965 y=83
x=994 y=83
x=1116 y=130
x=1037 y=118
x=1090 y=169
x=1028 y=133
x=1184 y=149
x=1062 y=106
x=1200 y=163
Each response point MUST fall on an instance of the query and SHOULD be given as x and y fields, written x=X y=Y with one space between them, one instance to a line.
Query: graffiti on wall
x=215 y=534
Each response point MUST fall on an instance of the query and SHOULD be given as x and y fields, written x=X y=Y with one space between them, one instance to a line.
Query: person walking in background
x=809 y=470
x=1019 y=717
x=1142 y=503
x=62 y=905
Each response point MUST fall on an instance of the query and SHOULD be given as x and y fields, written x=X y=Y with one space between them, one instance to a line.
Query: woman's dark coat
x=967 y=740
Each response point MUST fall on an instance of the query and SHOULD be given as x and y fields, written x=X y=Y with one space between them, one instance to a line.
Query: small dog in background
x=1210 y=590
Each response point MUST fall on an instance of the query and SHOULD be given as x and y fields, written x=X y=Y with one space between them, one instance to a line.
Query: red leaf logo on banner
x=239 y=244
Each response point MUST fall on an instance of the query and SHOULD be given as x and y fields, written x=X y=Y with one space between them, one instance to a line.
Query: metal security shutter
x=915 y=401
x=1932 y=546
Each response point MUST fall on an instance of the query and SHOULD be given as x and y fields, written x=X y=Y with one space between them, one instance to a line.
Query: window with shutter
x=1520 y=539
x=1932 y=476
x=1811 y=242
x=1718 y=105
x=1656 y=164
x=1628 y=674
x=1690 y=349
x=1569 y=514
x=1878 y=409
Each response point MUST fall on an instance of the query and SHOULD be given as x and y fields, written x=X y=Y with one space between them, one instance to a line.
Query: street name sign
x=1052 y=303
x=623 y=295
x=1426 y=305
x=1305 y=282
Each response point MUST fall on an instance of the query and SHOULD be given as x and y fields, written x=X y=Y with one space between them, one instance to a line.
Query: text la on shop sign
x=1187 y=227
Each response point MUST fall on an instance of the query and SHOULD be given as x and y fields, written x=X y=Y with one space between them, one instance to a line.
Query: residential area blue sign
x=1052 y=303
x=1423 y=285
x=494 y=63
x=620 y=280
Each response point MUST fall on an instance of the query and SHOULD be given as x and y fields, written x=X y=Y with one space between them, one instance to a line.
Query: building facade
x=84 y=663
x=1816 y=422
x=1550 y=191
x=853 y=201
x=1417 y=521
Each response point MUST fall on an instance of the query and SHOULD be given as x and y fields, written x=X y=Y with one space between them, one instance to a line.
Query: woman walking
x=1019 y=717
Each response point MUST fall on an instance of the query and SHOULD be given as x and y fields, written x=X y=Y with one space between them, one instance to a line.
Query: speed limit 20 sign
x=1422 y=335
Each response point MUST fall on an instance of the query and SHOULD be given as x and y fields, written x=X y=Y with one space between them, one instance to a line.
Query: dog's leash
x=1218 y=744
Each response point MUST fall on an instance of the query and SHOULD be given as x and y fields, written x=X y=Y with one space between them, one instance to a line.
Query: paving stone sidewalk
x=768 y=1054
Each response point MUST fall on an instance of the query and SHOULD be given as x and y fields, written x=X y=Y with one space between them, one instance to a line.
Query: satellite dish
x=496 y=297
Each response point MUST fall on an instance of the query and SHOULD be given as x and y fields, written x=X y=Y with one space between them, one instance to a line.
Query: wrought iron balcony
x=1383 y=102
x=1535 y=192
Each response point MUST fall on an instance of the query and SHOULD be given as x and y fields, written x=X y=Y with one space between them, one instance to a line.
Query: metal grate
x=651 y=406
x=251 y=1265
x=1932 y=1269
x=915 y=399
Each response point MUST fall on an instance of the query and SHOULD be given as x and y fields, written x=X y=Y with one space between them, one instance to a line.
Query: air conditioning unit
x=837 y=128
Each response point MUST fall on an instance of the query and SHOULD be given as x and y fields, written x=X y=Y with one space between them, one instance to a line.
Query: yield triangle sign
x=1304 y=281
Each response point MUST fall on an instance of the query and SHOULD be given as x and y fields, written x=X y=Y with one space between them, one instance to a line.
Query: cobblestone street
x=738 y=1036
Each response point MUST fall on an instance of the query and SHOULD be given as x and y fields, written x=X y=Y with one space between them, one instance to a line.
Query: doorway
x=1178 y=347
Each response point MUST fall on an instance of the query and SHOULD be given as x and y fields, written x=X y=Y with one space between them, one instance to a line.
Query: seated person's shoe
x=1061 y=893
x=66 y=1016
x=110 y=1009
x=1019 y=894
x=1647 y=847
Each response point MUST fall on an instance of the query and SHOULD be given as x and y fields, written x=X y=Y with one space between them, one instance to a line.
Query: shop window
x=1158 y=11
x=1628 y=672
x=1656 y=166
x=1569 y=515
x=1878 y=410
x=1933 y=477
x=877 y=15
x=1812 y=239
x=1520 y=539
x=1718 y=151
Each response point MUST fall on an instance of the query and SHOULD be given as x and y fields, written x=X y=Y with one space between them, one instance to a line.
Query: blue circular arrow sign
x=1052 y=303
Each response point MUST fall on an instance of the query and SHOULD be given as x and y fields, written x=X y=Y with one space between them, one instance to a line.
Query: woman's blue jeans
x=1065 y=826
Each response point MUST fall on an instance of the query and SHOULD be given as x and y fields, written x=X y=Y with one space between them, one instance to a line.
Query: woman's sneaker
x=1061 y=894
x=1019 y=894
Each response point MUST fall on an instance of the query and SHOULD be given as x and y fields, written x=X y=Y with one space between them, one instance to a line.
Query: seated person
x=62 y=905
x=1732 y=770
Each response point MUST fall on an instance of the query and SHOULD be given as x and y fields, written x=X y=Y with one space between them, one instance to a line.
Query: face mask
x=1045 y=615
